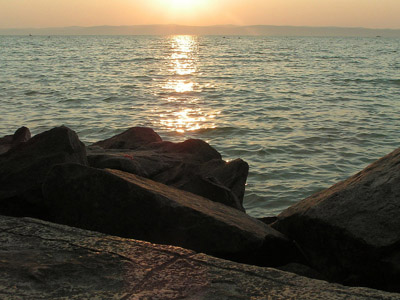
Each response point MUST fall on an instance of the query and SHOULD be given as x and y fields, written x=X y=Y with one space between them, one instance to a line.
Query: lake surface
x=304 y=112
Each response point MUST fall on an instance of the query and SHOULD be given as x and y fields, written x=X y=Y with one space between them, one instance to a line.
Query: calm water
x=303 y=112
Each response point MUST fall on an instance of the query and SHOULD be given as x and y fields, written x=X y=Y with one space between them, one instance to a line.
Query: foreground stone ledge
x=40 y=260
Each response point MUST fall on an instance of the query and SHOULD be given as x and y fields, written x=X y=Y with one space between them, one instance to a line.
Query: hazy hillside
x=205 y=30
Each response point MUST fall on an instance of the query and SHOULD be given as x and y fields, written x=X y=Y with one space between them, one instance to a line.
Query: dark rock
x=127 y=205
x=217 y=180
x=22 y=134
x=232 y=175
x=302 y=270
x=213 y=190
x=40 y=260
x=24 y=167
x=351 y=231
x=126 y=163
x=9 y=141
x=198 y=150
x=132 y=138
x=268 y=220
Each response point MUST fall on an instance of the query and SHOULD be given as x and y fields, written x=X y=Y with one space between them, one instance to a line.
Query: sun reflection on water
x=188 y=113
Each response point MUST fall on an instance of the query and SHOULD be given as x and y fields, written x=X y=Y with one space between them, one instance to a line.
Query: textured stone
x=40 y=260
x=215 y=179
x=351 y=231
x=132 y=138
x=7 y=142
x=24 y=167
x=127 y=205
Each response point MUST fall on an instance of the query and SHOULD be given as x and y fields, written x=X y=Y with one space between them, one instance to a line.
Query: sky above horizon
x=60 y=13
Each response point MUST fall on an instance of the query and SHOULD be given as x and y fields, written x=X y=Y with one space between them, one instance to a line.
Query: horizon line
x=201 y=26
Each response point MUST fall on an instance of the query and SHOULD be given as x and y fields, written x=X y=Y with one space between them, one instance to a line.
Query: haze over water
x=303 y=112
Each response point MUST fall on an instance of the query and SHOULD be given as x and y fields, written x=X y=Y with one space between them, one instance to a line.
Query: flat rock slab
x=40 y=260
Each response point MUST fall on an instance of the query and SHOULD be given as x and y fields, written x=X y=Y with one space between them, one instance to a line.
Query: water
x=304 y=112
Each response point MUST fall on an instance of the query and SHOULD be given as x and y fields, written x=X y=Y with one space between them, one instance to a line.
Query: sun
x=184 y=5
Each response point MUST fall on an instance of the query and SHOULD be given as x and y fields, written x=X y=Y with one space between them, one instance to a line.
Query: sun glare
x=185 y=5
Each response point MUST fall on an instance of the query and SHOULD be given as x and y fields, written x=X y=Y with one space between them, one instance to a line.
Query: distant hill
x=266 y=30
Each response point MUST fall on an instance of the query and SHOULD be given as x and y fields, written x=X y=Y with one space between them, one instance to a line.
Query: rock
x=211 y=189
x=268 y=220
x=40 y=260
x=199 y=150
x=217 y=180
x=351 y=231
x=132 y=138
x=232 y=175
x=9 y=141
x=302 y=270
x=24 y=167
x=127 y=205
x=126 y=163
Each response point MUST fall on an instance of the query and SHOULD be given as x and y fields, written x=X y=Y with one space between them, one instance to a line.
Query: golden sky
x=343 y=13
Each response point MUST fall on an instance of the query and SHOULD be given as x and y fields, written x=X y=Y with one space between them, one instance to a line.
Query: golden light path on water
x=186 y=112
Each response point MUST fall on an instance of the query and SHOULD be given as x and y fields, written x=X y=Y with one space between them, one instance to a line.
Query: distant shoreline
x=228 y=30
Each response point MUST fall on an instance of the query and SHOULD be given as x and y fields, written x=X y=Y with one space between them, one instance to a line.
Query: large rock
x=24 y=167
x=127 y=205
x=7 y=142
x=351 y=231
x=40 y=260
x=215 y=179
x=132 y=138
x=199 y=150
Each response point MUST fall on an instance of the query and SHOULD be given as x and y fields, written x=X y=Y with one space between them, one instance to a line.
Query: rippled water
x=303 y=112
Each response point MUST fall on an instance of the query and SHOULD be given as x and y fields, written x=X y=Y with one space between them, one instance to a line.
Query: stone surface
x=215 y=179
x=351 y=231
x=132 y=138
x=199 y=150
x=24 y=167
x=192 y=165
x=7 y=142
x=40 y=260
x=127 y=205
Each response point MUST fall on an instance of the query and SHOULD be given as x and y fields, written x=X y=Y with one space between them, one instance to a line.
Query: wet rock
x=127 y=205
x=40 y=260
x=132 y=138
x=22 y=135
x=24 y=167
x=351 y=231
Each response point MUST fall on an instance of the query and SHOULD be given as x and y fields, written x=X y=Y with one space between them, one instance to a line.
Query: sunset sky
x=343 y=13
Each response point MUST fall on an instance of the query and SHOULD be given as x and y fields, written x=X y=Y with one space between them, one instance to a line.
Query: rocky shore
x=135 y=186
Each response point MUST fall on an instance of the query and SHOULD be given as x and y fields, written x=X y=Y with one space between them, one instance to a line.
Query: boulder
x=351 y=231
x=198 y=150
x=215 y=179
x=22 y=135
x=126 y=163
x=132 y=138
x=40 y=260
x=24 y=167
x=231 y=175
x=123 y=204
